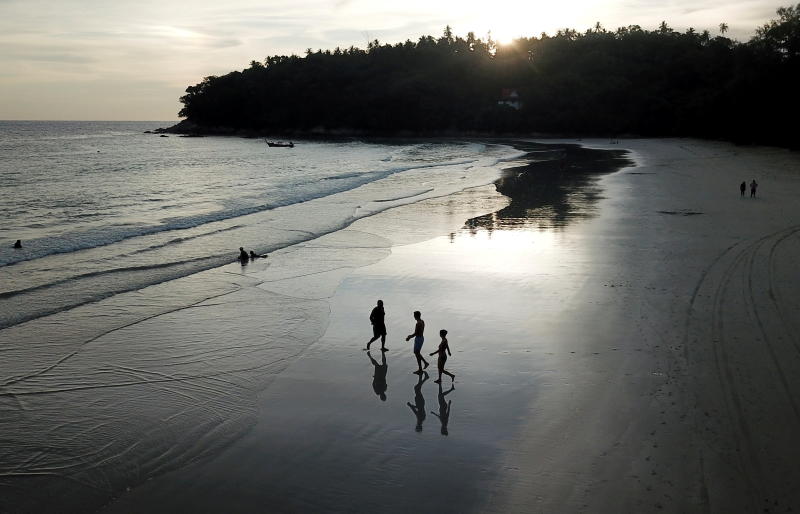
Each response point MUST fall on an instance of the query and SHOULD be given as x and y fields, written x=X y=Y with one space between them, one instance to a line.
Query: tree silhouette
x=628 y=81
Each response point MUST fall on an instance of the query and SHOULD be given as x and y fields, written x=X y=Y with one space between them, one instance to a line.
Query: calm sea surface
x=103 y=208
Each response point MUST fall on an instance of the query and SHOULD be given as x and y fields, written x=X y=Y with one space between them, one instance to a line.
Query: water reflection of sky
x=554 y=186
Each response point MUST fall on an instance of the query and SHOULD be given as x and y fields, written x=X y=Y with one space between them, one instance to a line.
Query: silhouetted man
x=378 y=325
x=18 y=244
x=742 y=187
x=753 y=187
x=379 y=377
x=243 y=257
x=419 y=328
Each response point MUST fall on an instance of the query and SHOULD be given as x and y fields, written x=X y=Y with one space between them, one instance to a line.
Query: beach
x=625 y=344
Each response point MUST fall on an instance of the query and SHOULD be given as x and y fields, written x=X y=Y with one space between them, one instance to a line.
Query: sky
x=133 y=59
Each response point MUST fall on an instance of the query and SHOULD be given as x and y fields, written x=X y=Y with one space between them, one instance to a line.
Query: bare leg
x=383 y=342
x=372 y=341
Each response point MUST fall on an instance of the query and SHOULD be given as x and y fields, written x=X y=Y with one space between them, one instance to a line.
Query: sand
x=633 y=350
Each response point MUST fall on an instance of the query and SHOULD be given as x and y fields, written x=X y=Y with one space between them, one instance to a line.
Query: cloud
x=56 y=46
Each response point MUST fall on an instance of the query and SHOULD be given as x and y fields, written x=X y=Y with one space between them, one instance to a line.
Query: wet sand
x=626 y=346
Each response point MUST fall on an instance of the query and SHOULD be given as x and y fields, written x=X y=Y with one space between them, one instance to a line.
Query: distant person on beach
x=419 y=328
x=254 y=256
x=742 y=187
x=378 y=325
x=444 y=408
x=18 y=244
x=753 y=187
x=443 y=351
x=418 y=408
x=243 y=257
x=379 y=376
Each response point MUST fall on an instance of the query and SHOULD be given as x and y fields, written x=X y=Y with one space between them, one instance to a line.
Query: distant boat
x=277 y=144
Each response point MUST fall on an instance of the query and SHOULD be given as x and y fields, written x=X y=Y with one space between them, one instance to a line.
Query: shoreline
x=584 y=335
x=166 y=315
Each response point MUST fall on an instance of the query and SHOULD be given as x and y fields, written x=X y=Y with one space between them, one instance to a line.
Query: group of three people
x=377 y=316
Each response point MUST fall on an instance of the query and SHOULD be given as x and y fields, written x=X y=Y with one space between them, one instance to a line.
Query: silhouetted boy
x=742 y=187
x=419 y=328
x=443 y=351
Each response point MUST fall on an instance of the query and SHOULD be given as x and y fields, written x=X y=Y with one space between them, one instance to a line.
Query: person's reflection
x=379 y=378
x=419 y=401
x=444 y=408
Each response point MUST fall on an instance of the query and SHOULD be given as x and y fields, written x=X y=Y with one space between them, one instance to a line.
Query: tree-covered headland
x=599 y=82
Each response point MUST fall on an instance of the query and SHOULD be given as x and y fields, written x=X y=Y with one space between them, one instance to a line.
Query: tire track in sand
x=719 y=278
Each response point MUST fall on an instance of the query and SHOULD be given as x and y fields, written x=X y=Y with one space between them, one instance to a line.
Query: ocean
x=103 y=208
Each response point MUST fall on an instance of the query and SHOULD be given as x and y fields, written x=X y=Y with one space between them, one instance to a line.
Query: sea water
x=130 y=345
x=102 y=207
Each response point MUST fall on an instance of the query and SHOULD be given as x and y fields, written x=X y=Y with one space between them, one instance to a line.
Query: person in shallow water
x=753 y=187
x=18 y=244
x=419 y=329
x=418 y=407
x=243 y=257
x=443 y=351
x=742 y=187
x=379 y=376
x=254 y=256
x=376 y=317
x=444 y=407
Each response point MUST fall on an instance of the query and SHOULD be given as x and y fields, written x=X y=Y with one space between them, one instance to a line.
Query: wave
x=74 y=242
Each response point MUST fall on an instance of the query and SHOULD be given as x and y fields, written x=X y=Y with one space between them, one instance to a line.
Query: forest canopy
x=599 y=82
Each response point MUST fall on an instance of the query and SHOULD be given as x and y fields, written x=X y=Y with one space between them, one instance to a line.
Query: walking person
x=419 y=329
x=753 y=187
x=443 y=351
x=742 y=187
x=376 y=317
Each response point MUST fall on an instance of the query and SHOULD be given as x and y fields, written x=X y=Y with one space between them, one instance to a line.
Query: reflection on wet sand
x=444 y=407
x=554 y=188
x=379 y=377
x=418 y=407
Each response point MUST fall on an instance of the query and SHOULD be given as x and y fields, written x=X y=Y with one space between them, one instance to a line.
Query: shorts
x=418 y=340
x=379 y=330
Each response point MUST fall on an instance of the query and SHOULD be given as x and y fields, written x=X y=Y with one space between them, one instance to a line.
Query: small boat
x=277 y=144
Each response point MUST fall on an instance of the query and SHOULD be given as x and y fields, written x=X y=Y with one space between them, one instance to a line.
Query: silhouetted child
x=18 y=244
x=742 y=187
x=753 y=186
x=243 y=257
x=443 y=351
